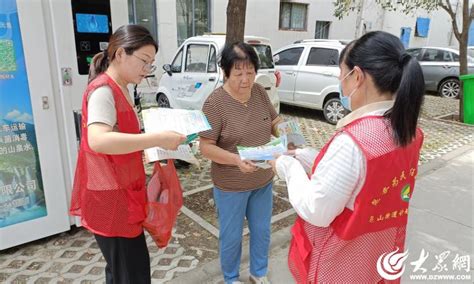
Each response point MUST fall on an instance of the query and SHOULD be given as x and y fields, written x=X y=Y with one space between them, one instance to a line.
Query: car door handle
x=327 y=73
x=446 y=66
x=289 y=73
x=212 y=79
x=187 y=77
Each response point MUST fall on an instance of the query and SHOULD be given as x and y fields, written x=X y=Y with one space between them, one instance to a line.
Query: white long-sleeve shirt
x=338 y=178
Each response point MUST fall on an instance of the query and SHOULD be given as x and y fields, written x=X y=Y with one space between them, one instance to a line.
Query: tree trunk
x=235 y=21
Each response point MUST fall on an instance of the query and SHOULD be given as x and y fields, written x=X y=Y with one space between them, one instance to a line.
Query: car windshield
x=264 y=53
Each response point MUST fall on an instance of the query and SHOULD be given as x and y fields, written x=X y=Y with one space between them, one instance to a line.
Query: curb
x=437 y=163
x=442 y=118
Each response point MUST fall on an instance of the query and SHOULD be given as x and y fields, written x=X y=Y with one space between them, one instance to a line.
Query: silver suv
x=309 y=72
x=441 y=69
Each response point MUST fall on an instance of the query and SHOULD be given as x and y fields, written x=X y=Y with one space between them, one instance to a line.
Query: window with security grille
x=293 y=16
x=322 y=29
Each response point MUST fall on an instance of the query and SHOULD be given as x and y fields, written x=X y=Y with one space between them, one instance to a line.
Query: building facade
x=285 y=21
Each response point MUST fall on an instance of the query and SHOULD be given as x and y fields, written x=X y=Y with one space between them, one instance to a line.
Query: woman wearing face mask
x=109 y=185
x=352 y=202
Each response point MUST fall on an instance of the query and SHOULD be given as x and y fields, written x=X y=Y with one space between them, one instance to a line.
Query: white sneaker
x=259 y=280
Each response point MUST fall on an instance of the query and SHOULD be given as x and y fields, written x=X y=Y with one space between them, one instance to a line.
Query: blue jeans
x=232 y=207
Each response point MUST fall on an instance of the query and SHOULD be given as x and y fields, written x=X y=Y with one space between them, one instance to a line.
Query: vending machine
x=45 y=50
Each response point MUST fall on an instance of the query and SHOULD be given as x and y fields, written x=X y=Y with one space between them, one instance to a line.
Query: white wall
x=372 y=18
x=119 y=14
x=167 y=33
x=262 y=19
x=323 y=10
x=263 y=16
x=219 y=15
x=440 y=30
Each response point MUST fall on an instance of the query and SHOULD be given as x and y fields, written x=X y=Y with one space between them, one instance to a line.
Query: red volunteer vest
x=109 y=190
x=347 y=250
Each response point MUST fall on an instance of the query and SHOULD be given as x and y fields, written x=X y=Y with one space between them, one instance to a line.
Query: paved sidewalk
x=440 y=220
x=73 y=256
x=441 y=214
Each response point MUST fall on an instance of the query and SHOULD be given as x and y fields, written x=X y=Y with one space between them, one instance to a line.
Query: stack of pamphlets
x=186 y=122
x=290 y=138
x=261 y=154
x=291 y=135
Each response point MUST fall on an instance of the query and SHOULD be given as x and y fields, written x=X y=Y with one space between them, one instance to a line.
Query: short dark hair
x=384 y=58
x=235 y=53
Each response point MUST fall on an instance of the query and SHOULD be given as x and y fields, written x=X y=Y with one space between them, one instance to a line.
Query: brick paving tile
x=73 y=256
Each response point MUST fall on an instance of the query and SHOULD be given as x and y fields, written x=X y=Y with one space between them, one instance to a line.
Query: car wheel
x=449 y=88
x=333 y=110
x=163 y=101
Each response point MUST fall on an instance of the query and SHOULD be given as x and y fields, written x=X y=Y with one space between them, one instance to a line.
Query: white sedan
x=309 y=72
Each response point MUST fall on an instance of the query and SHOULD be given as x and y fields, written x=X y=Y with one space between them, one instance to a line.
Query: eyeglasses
x=147 y=67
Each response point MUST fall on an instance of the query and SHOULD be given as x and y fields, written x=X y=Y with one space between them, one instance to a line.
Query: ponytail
x=393 y=71
x=408 y=100
x=99 y=63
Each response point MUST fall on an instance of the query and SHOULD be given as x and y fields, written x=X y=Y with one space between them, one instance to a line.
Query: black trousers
x=128 y=261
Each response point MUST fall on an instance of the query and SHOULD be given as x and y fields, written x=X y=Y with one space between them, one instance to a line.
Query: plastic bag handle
x=157 y=166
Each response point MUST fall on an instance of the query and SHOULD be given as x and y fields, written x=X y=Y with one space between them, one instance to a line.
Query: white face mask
x=346 y=101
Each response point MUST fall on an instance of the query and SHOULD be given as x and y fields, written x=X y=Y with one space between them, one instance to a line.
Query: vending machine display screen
x=92 y=23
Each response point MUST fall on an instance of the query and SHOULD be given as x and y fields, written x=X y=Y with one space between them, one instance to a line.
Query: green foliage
x=344 y=7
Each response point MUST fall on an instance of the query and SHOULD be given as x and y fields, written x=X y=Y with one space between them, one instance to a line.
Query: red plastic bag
x=165 y=198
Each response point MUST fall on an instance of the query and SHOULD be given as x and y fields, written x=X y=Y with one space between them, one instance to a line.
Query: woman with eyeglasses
x=109 y=186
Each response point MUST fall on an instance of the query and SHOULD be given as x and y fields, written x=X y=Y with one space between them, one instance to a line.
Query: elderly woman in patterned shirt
x=240 y=113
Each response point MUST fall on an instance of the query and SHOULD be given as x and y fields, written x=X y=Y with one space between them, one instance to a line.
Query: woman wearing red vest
x=352 y=205
x=109 y=185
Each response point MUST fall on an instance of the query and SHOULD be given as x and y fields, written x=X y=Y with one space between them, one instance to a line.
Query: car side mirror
x=276 y=58
x=167 y=68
